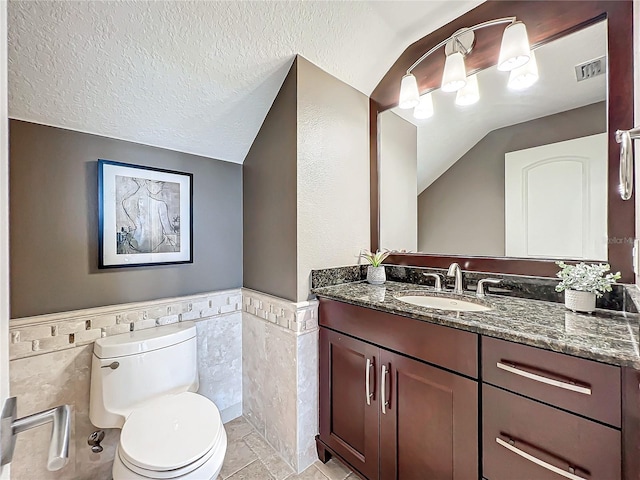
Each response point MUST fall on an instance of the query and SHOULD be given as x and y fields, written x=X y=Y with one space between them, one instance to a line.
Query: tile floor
x=250 y=457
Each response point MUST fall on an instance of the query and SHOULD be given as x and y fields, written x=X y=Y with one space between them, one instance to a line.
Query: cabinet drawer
x=447 y=347
x=524 y=439
x=583 y=386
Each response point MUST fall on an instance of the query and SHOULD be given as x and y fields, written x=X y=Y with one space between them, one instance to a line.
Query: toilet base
x=208 y=470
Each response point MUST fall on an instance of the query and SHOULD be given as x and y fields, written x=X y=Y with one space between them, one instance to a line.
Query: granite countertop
x=606 y=336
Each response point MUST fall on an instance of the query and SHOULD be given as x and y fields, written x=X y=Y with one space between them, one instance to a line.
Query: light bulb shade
x=514 y=50
x=424 y=109
x=409 y=95
x=454 y=76
x=523 y=77
x=469 y=94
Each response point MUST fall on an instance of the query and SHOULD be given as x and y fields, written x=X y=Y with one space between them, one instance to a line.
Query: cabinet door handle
x=539 y=462
x=542 y=379
x=383 y=389
x=370 y=365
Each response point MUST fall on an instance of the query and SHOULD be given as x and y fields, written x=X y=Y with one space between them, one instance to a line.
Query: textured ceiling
x=197 y=77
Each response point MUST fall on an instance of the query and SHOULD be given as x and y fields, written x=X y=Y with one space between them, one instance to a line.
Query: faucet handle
x=438 y=280
x=480 y=293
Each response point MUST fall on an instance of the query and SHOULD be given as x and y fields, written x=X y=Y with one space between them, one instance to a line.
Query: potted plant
x=375 y=271
x=582 y=283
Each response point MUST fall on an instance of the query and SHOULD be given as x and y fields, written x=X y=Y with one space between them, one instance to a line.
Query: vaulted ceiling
x=196 y=77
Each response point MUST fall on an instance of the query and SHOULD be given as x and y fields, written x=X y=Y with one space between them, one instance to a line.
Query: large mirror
x=520 y=172
x=519 y=179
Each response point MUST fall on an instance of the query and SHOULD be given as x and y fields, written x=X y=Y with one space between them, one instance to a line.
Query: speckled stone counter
x=606 y=336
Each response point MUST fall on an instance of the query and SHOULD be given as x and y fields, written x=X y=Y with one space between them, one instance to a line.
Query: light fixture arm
x=488 y=23
x=624 y=138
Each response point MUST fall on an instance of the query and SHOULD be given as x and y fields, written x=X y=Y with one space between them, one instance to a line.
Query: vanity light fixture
x=514 y=52
x=454 y=76
x=523 y=77
x=424 y=109
x=409 y=95
x=469 y=94
x=514 y=49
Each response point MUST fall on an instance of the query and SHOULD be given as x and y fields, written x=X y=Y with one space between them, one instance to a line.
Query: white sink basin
x=443 y=303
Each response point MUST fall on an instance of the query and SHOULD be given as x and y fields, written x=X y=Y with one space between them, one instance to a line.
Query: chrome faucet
x=454 y=269
x=480 y=293
x=437 y=281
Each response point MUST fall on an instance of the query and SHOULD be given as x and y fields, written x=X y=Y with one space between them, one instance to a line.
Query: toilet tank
x=150 y=363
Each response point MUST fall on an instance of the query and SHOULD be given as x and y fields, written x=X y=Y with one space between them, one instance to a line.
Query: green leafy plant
x=586 y=278
x=377 y=258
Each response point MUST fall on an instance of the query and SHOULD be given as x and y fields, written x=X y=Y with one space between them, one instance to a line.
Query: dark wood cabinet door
x=348 y=415
x=589 y=388
x=631 y=423
x=429 y=426
x=526 y=440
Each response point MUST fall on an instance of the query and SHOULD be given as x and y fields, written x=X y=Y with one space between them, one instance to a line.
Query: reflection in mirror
x=518 y=173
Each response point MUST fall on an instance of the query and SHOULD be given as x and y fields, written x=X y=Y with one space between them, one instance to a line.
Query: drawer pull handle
x=383 y=389
x=370 y=365
x=539 y=462
x=542 y=379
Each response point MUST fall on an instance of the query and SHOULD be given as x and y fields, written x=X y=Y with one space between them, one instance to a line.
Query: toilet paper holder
x=10 y=427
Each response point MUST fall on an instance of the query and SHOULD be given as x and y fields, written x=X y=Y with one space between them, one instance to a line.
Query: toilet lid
x=171 y=432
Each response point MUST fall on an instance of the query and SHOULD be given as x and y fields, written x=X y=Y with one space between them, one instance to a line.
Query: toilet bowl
x=144 y=383
x=178 y=436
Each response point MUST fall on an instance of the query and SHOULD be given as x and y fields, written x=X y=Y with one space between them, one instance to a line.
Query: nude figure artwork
x=147 y=216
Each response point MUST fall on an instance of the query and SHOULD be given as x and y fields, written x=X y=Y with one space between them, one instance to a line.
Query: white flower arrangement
x=586 y=278
x=375 y=259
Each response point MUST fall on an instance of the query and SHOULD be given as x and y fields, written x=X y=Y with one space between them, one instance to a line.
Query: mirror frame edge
x=559 y=18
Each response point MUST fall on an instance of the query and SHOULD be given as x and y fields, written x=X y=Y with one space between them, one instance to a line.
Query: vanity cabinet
x=526 y=439
x=575 y=433
x=429 y=423
x=349 y=400
x=631 y=423
x=391 y=416
x=585 y=387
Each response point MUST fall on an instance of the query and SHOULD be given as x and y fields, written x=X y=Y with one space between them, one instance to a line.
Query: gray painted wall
x=54 y=223
x=333 y=173
x=398 y=171
x=462 y=212
x=269 y=199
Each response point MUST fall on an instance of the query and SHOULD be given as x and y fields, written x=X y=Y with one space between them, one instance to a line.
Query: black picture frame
x=141 y=214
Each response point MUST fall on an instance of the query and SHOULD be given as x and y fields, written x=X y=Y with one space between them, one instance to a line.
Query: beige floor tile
x=238 y=428
x=333 y=469
x=238 y=456
x=259 y=445
x=250 y=457
x=277 y=467
x=311 y=473
x=254 y=471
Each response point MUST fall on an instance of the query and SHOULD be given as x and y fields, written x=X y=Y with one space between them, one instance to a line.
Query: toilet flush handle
x=112 y=365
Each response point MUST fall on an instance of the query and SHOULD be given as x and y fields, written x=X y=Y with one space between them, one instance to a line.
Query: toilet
x=144 y=383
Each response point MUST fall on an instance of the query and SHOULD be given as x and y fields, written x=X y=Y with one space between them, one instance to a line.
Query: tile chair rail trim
x=40 y=334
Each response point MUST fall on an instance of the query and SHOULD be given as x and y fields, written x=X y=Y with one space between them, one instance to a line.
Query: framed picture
x=145 y=215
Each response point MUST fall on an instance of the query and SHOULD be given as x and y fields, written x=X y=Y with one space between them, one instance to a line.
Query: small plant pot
x=376 y=275
x=577 y=301
x=378 y=294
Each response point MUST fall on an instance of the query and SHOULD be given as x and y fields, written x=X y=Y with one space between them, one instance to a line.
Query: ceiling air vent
x=591 y=69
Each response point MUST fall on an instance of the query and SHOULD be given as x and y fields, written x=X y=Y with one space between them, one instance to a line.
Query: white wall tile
x=46 y=379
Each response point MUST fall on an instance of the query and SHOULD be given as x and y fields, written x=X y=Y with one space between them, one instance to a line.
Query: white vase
x=580 y=301
x=376 y=275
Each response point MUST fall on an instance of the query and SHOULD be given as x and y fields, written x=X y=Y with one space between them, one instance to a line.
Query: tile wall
x=280 y=374
x=51 y=364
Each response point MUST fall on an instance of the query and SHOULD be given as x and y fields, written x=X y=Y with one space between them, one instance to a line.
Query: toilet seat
x=171 y=436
